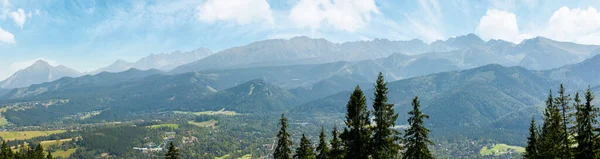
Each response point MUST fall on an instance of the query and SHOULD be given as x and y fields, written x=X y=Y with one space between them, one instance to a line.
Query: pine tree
x=6 y=152
x=49 y=156
x=417 y=136
x=336 y=151
x=385 y=139
x=562 y=101
x=531 y=151
x=24 y=152
x=172 y=153
x=39 y=152
x=305 y=151
x=357 y=134
x=584 y=129
x=551 y=133
x=323 y=149
x=283 y=150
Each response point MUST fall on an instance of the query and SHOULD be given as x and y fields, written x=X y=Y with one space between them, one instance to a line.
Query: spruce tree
x=417 y=136
x=323 y=149
x=49 y=156
x=39 y=152
x=284 y=142
x=551 y=134
x=584 y=130
x=172 y=153
x=305 y=151
x=385 y=139
x=357 y=134
x=336 y=151
x=6 y=152
x=562 y=101
x=24 y=152
x=531 y=151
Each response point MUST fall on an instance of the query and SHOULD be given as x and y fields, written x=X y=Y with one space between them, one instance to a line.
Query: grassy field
x=209 y=123
x=3 y=120
x=172 y=126
x=500 y=149
x=22 y=135
x=220 y=112
x=223 y=157
x=48 y=143
x=247 y=156
x=64 y=154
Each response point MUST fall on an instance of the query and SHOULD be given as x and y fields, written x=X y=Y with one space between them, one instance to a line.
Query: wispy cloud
x=6 y=37
x=238 y=11
x=19 y=17
x=427 y=20
x=346 y=15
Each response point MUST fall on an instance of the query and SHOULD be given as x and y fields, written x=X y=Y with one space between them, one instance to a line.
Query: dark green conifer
x=562 y=102
x=305 y=151
x=585 y=118
x=357 y=134
x=531 y=151
x=323 y=149
x=336 y=151
x=6 y=152
x=49 y=156
x=385 y=142
x=551 y=133
x=39 y=152
x=417 y=136
x=284 y=142
x=172 y=152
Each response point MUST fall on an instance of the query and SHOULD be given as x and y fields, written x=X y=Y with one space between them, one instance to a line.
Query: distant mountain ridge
x=162 y=61
x=304 y=50
x=467 y=51
x=38 y=72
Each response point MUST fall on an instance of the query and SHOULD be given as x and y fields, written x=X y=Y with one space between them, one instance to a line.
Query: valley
x=477 y=98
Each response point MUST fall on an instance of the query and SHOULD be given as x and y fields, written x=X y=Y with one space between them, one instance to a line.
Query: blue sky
x=87 y=34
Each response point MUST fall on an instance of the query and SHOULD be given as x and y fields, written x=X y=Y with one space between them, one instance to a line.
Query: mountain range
x=487 y=96
x=38 y=72
x=491 y=96
x=161 y=61
x=457 y=80
x=464 y=52
x=398 y=59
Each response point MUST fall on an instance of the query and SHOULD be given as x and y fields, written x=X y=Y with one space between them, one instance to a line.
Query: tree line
x=24 y=152
x=363 y=138
x=569 y=130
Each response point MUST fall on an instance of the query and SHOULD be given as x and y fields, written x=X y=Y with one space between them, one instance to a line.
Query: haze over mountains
x=161 y=61
x=464 y=83
x=39 y=72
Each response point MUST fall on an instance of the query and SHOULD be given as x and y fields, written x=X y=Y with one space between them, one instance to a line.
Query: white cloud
x=6 y=37
x=239 y=11
x=5 y=3
x=576 y=25
x=347 y=15
x=498 y=24
x=426 y=21
x=16 y=66
x=19 y=17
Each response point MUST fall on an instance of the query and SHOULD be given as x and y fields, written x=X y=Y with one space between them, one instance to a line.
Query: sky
x=88 y=34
